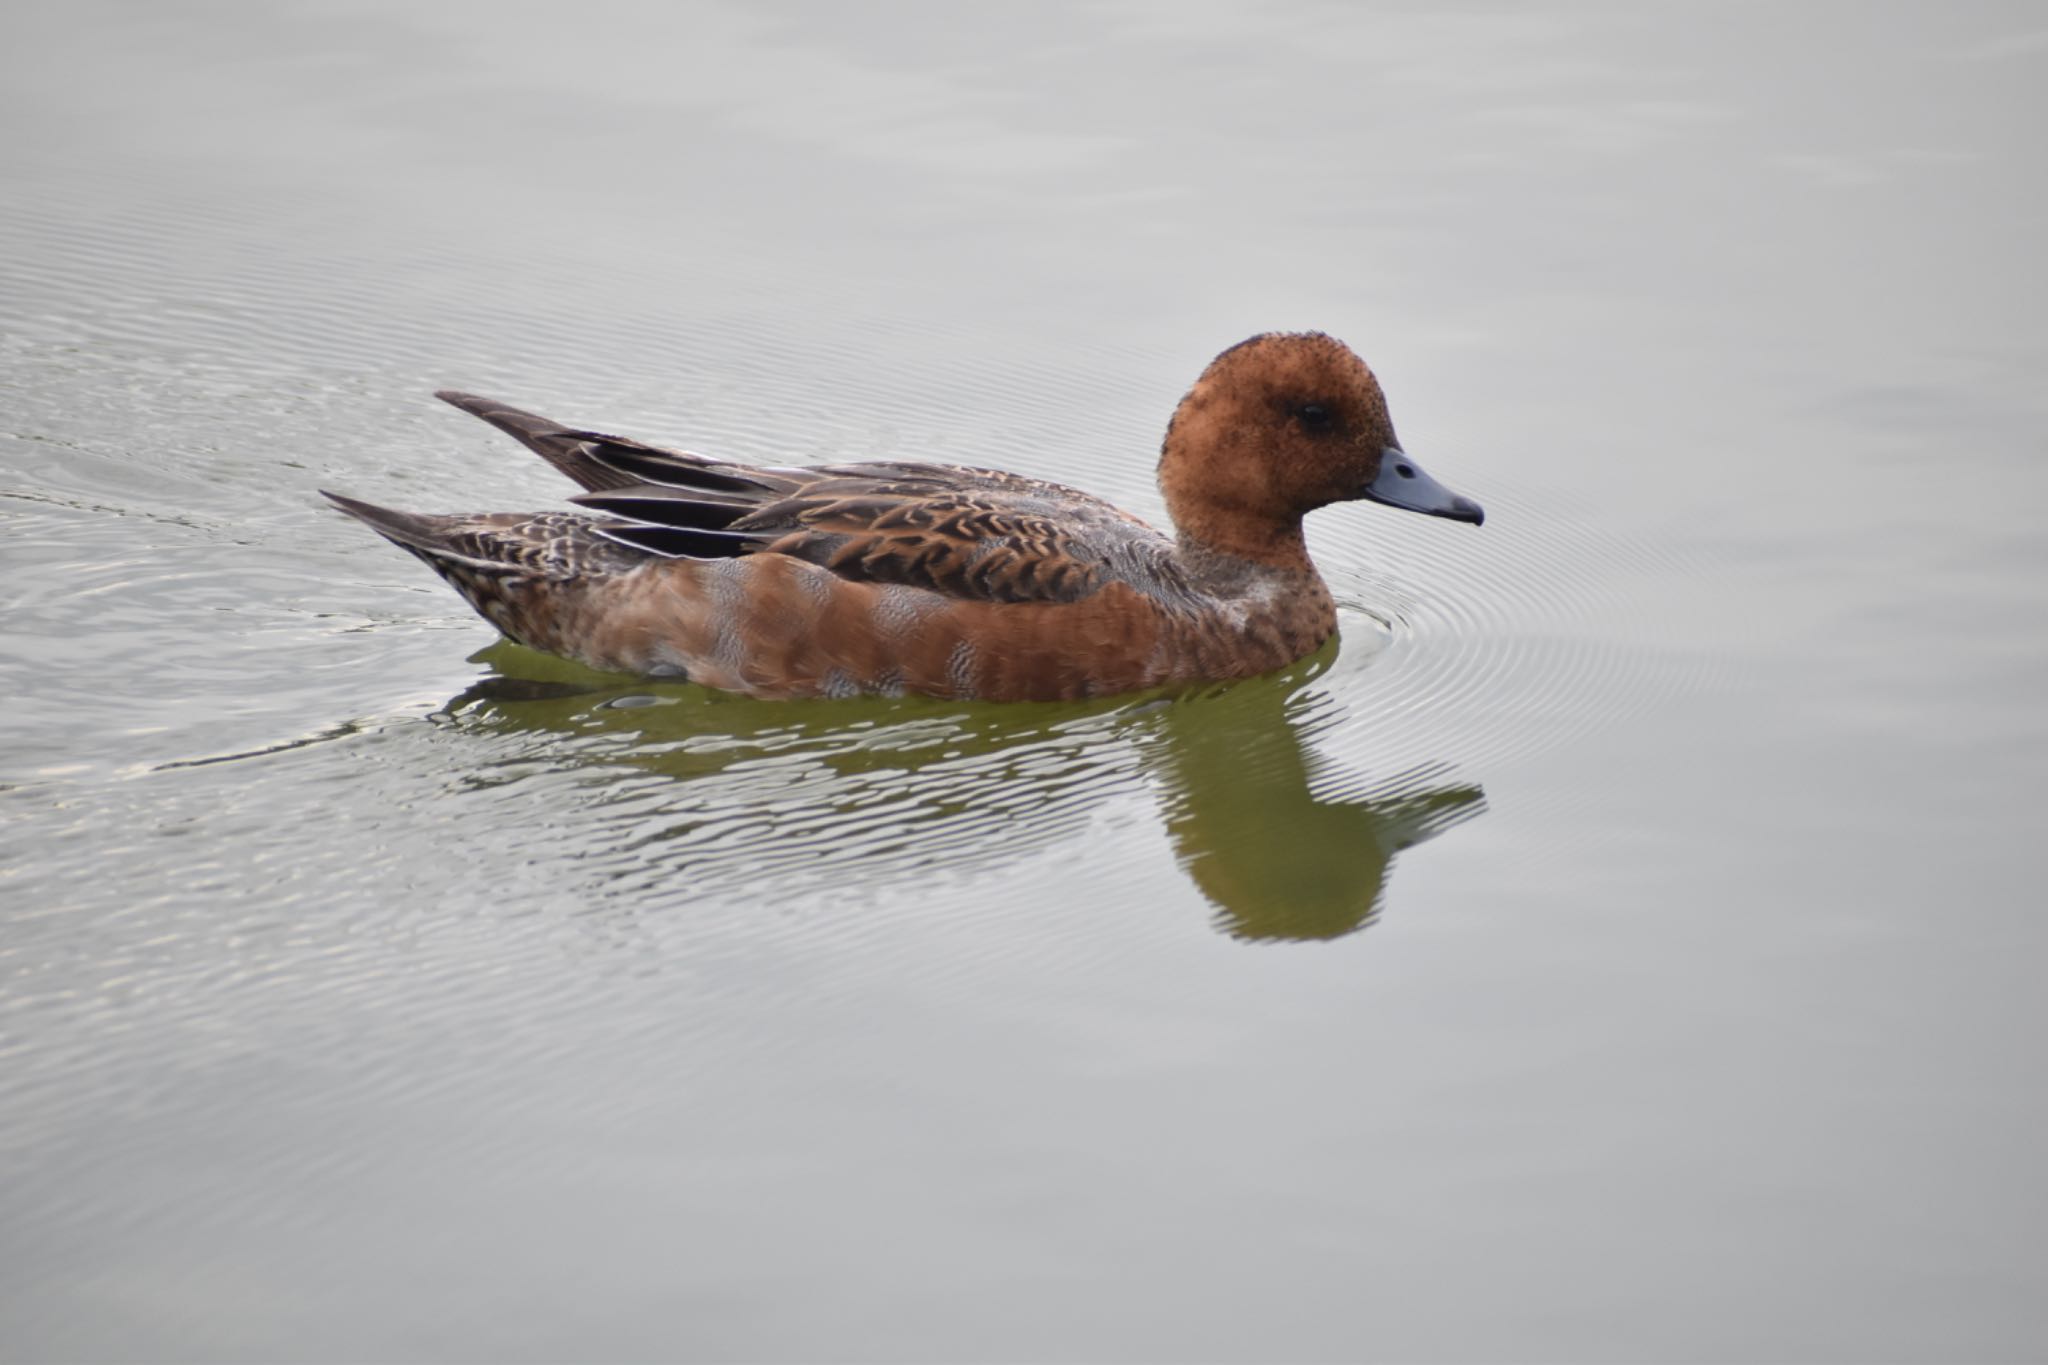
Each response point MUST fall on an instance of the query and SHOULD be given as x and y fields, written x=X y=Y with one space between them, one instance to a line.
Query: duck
x=893 y=577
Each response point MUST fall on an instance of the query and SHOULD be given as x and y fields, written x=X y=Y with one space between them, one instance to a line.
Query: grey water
x=1624 y=943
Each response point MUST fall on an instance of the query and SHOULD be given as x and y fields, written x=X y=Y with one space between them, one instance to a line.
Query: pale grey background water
x=350 y=1012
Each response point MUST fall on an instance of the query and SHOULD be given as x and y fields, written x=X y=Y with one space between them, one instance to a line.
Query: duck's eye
x=1315 y=416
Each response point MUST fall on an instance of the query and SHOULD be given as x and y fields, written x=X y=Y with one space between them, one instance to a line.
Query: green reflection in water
x=1277 y=860
x=751 y=793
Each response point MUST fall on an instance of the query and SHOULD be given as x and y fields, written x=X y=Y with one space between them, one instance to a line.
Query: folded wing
x=972 y=534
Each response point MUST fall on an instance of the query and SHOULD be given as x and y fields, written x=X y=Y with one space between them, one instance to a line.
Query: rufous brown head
x=1280 y=425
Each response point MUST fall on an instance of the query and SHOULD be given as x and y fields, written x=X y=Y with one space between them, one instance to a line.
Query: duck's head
x=1276 y=427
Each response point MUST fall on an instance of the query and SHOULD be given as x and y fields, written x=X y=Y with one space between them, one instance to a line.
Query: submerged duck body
x=947 y=581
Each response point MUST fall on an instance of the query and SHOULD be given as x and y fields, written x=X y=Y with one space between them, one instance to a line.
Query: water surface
x=1621 y=945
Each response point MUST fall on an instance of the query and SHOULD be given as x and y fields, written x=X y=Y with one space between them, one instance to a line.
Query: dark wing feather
x=645 y=464
x=708 y=511
x=680 y=542
x=975 y=534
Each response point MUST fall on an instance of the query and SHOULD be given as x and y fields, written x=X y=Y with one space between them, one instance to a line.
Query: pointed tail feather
x=604 y=463
x=406 y=528
x=425 y=536
x=566 y=448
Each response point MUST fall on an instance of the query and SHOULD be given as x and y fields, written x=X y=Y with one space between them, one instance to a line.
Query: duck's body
x=935 y=579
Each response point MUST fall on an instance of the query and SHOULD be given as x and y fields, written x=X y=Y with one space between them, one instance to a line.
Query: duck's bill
x=1401 y=483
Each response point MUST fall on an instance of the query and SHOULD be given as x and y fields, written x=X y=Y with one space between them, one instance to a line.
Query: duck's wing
x=972 y=534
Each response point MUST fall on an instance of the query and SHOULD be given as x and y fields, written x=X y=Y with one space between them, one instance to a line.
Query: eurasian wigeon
x=953 y=582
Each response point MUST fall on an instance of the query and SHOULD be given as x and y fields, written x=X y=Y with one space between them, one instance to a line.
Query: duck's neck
x=1211 y=530
x=1231 y=566
x=1266 y=611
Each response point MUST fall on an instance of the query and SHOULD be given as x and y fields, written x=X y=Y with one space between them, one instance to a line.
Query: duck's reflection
x=1275 y=859
x=793 y=794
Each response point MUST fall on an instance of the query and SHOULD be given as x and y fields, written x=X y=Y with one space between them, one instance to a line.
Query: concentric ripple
x=1489 y=646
